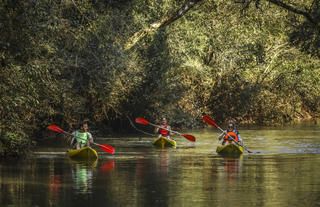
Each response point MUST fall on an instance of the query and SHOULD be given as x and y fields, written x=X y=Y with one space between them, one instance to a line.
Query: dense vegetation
x=255 y=61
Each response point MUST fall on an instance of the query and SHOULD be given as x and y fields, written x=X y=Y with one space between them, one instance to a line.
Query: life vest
x=82 y=138
x=233 y=134
x=163 y=131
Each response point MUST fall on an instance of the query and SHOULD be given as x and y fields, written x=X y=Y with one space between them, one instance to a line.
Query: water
x=283 y=170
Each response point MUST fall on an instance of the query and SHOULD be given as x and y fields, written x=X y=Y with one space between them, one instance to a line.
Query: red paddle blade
x=209 y=120
x=189 y=137
x=55 y=128
x=141 y=121
x=107 y=148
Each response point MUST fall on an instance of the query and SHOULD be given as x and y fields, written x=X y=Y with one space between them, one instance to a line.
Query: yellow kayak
x=230 y=150
x=85 y=153
x=164 y=142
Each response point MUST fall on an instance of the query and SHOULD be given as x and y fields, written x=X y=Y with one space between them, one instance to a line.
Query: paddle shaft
x=164 y=128
x=234 y=140
x=105 y=148
x=187 y=136
x=80 y=137
x=209 y=120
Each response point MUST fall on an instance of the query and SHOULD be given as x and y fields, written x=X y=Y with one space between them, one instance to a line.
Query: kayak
x=85 y=153
x=230 y=150
x=164 y=142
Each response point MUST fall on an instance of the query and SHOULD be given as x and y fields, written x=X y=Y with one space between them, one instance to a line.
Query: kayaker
x=232 y=132
x=82 y=137
x=164 y=129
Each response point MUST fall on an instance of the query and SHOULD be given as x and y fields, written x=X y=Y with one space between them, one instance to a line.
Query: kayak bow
x=86 y=153
x=230 y=150
x=164 y=142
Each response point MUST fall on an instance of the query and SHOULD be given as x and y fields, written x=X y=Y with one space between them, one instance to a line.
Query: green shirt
x=81 y=137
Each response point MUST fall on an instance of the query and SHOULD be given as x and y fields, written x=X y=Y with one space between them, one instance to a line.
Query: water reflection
x=55 y=187
x=233 y=167
x=286 y=172
x=55 y=182
x=82 y=175
x=107 y=166
x=164 y=161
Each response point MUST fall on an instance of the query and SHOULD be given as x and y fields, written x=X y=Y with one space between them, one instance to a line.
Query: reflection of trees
x=35 y=182
x=144 y=181
x=154 y=186
x=166 y=178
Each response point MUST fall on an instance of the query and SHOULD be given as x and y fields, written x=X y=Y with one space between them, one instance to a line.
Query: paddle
x=209 y=120
x=105 y=148
x=187 y=136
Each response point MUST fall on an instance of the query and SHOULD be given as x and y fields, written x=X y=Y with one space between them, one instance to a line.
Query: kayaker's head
x=164 y=121
x=231 y=126
x=84 y=126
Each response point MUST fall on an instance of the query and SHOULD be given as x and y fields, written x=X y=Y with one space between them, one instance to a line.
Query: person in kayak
x=82 y=138
x=164 y=129
x=230 y=132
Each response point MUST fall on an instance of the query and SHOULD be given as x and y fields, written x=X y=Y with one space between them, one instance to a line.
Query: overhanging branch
x=162 y=22
x=292 y=9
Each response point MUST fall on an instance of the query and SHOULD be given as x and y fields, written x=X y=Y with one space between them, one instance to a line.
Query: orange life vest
x=232 y=134
x=163 y=131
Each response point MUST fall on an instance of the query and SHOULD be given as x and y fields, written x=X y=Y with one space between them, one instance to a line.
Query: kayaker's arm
x=170 y=132
x=73 y=134
x=239 y=137
x=90 y=138
x=222 y=135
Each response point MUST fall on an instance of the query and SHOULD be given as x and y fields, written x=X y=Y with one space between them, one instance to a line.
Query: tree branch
x=162 y=22
x=292 y=9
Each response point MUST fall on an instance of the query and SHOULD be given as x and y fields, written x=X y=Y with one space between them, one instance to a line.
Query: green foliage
x=64 y=61
x=14 y=145
x=247 y=66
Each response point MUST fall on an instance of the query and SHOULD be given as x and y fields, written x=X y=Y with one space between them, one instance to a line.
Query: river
x=282 y=170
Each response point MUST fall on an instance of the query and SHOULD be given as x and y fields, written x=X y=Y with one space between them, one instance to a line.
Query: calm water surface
x=283 y=170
